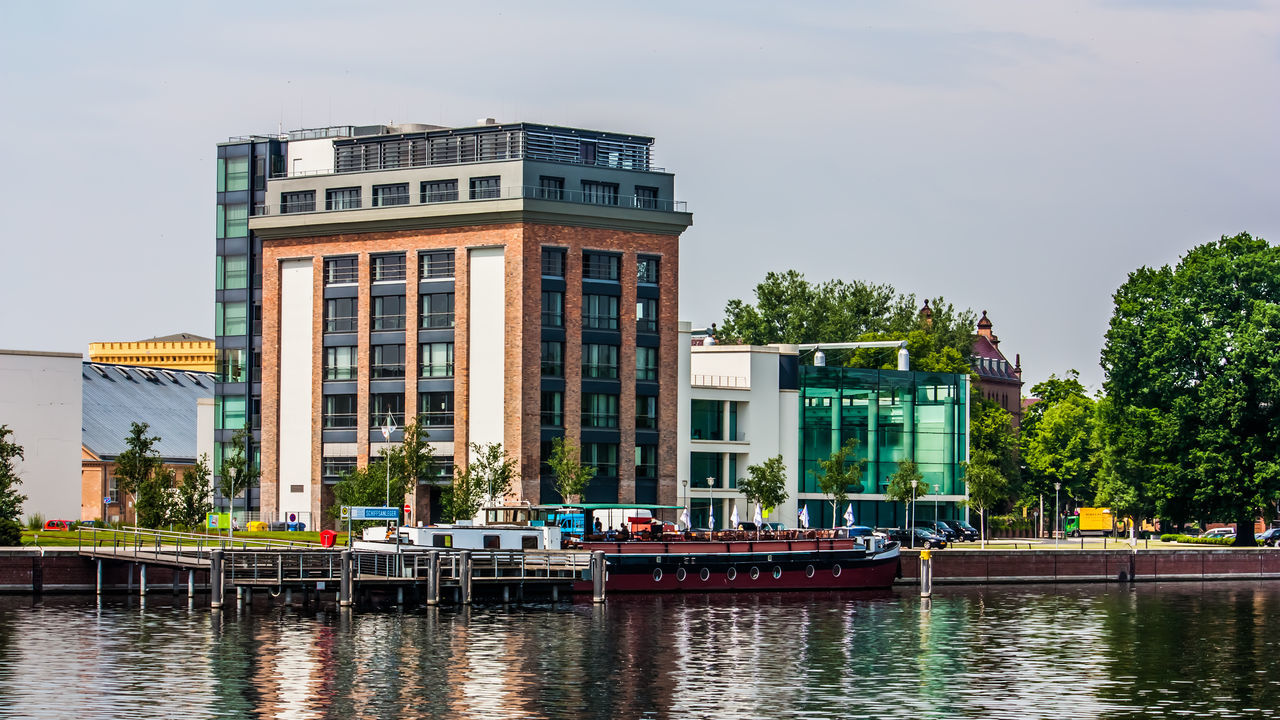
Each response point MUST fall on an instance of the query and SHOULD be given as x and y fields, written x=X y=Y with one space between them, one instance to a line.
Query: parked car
x=923 y=538
x=61 y=525
x=937 y=527
x=1270 y=537
x=854 y=531
x=964 y=531
x=774 y=526
x=1223 y=532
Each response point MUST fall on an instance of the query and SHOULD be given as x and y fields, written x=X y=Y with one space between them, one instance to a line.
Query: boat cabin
x=460 y=537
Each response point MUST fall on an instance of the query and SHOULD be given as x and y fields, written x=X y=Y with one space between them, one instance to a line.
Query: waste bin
x=293 y=526
x=257 y=526
x=327 y=537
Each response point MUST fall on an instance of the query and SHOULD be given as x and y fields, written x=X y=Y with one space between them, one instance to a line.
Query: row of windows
x=435 y=409
x=336 y=466
x=598 y=361
x=435 y=360
x=434 y=265
x=479 y=188
x=599 y=266
x=387 y=312
x=599 y=410
x=604 y=458
x=599 y=312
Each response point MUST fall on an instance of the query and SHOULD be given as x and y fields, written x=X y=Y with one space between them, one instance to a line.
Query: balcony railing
x=516 y=192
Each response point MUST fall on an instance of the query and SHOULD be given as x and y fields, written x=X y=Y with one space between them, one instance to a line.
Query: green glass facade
x=894 y=415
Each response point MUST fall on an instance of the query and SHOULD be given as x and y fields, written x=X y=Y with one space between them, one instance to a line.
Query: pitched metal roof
x=116 y=396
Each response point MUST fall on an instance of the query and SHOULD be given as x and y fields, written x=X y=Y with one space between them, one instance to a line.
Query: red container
x=327 y=537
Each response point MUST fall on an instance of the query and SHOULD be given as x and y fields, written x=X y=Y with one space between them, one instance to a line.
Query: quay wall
x=980 y=567
x=63 y=570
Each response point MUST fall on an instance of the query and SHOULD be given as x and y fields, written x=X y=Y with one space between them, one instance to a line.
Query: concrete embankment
x=979 y=567
x=63 y=570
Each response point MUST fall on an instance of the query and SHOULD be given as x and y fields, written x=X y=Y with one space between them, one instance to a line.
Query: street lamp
x=915 y=487
x=1057 y=523
x=685 y=483
x=711 y=513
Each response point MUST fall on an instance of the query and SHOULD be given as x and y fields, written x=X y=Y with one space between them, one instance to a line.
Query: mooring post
x=926 y=573
x=288 y=597
x=142 y=580
x=464 y=577
x=400 y=596
x=215 y=579
x=597 y=576
x=191 y=583
x=433 y=577
x=99 y=584
x=344 y=587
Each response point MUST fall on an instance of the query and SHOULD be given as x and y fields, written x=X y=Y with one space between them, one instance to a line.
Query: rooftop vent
x=98 y=369
x=486 y=121
x=192 y=377
x=124 y=373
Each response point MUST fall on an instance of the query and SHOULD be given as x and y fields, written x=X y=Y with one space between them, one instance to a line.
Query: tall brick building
x=504 y=283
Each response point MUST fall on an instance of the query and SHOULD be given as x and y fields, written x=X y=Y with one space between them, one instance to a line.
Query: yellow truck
x=1090 y=521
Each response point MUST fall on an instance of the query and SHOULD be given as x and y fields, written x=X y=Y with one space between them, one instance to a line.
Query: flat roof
x=42 y=353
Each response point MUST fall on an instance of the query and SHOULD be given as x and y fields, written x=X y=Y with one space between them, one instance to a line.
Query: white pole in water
x=1057 y=513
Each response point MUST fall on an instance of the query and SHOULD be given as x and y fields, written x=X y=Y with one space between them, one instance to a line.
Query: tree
x=1059 y=448
x=464 y=496
x=486 y=479
x=135 y=473
x=411 y=460
x=572 y=477
x=839 y=476
x=154 y=505
x=765 y=484
x=367 y=487
x=1190 y=357
x=906 y=484
x=238 y=472
x=192 y=499
x=988 y=487
x=10 y=499
x=790 y=309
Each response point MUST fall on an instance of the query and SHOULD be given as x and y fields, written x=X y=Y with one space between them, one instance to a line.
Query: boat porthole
x=777 y=572
x=808 y=571
x=835 y=570
x=704 y=574
x=680 y=574
x=732 y=574
x=657 y=574
x=755 y=573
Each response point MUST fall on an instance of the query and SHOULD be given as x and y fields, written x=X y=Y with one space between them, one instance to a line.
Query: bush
x=35 y=521
x=1170 y=537
x=10 y=533
x=1193 y=540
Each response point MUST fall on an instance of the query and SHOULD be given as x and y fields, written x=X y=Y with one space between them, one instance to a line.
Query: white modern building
x=40 y=402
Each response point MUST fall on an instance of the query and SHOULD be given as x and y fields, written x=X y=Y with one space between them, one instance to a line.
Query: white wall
x=296 y=314
x=310 y=156
x=486 y=345
x=41 y=402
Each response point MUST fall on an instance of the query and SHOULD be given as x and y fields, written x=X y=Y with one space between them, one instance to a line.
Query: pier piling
x=464 y=577
x=926 y=573
x=597 y=576
x=215 y=579
x=99 y=582
x=344 y=588
x=142 y=580
x=433 y=577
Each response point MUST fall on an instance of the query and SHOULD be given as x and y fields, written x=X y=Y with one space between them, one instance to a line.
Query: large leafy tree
x=137 y=470
x=988 y=487
x=765 y=484
x=367 y=487
x=10 y=499
x=1058 y=442
x=572 y=477
x=412 y=460
x=790 y=309
x=487 y=478
x=839 y=475
x=192 y=499
x=906 y=484
x=1192 y=363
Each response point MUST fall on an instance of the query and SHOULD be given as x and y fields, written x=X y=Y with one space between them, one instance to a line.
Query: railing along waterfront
x=284 y=566
x=146 y=543
x=513 y=192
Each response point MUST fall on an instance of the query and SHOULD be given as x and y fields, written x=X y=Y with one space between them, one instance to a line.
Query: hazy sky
x=1018 y=157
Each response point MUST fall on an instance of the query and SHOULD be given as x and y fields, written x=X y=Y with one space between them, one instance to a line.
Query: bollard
x=288 y=597
x=433 y=577
x=400 y=596
x=142 y=581
x=926 y=573
x=191 y=583
x=464 y=577
x=598 y=575
x=215 y=579
x=99 y=586
x=344 y=589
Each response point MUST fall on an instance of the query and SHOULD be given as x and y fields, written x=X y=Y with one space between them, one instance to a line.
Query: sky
x=1020 y=158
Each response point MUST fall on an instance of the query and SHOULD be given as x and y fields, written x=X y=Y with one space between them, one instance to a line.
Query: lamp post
x=711 y=513
x=1057 y=513
x=915 y=487
x=685 y=483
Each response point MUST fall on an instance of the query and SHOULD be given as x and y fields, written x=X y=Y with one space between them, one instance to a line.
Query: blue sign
x=375 y=513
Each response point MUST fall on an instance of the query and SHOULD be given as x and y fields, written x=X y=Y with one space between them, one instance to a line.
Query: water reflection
x=1020 y=652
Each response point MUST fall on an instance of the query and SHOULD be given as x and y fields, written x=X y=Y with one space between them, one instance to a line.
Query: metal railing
x=326 y=565
x=135 y=542
x=721 y=381
x=528 y=192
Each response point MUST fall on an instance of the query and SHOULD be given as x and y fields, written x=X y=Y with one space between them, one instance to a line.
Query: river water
x=1062 y=652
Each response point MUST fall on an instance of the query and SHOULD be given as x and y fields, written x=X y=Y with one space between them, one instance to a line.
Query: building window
x=552 y=408
x=441 y=470
x=435 y=191
x=229 y=412
x=388 y=312
x=232 y=272
x=599 y=410
x=647 y=270
x=342 y=199
x=384 y=405
x=437 y=310
x=341 y=271
x=232 y=318
x=339 y=411
x=550 y=188
x=706 y=420
x=646 y=461
x=230 y=365
x=646 y=315
x=237 y=173
x=646 y=197
x=552 y=262
x=599 y=361
x=600 y=312
x=388 y=268
x=233 y=220
x=335 y=468
x=484 y=188
x=340 y=363
x=599 y=266
x=602 y=456
x=599 y=193
x=646 y=412
x=397 y=194
x=340 y=315
x=296 y=202
x=552 y=358
x=646 y=363
x=436 y=265
x=435 y=409
x=552 y=308
x=388 y=362
x=436 y=359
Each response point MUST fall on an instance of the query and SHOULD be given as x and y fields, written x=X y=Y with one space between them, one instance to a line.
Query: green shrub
x=1193 y=540
x=10 y=533
x=1170 y=537
x=35 y=521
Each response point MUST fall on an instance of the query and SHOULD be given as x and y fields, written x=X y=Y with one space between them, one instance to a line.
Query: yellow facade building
x=183 y=351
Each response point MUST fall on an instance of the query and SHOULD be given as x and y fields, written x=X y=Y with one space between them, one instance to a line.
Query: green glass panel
x=232 y=318
x=222 y=175
x=705 y=420
x=220 y=224
x=235 y=272
x=237 y=174
x=237 y=220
